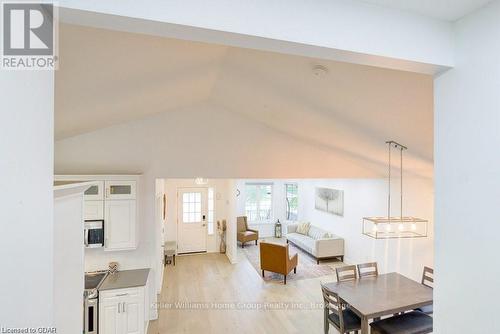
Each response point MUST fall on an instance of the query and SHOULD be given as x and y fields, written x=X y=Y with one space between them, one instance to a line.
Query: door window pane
x=191 y=207
x=120 y=189
x=93 y=190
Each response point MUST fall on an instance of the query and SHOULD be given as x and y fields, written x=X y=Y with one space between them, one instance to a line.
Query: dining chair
x=367 y=269
x=428 y=281
x=428 y=277
x=346 y=273
x=337 y=314
x=407 y=323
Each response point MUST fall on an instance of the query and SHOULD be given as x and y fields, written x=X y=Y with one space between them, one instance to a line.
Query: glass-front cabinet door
x=120 y=190
x=95 y=192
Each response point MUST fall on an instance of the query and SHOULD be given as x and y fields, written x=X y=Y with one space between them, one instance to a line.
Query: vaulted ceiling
x=108 y=77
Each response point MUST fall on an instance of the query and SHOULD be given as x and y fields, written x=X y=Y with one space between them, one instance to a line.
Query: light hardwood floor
x=210 y=278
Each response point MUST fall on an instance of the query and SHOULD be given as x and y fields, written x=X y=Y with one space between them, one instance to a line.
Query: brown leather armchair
x=275 y=258
x=244 y=233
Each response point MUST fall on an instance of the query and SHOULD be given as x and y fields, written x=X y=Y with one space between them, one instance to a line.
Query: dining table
x=381 y=295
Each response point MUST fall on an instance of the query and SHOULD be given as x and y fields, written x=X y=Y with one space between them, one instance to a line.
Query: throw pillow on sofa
x=316 y=233
x=303 y=228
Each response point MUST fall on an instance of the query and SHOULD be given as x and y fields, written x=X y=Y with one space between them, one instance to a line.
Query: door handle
x=119 y=304
x=123 y=307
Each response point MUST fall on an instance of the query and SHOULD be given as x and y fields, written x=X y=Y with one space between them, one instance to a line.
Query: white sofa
x=319 y=243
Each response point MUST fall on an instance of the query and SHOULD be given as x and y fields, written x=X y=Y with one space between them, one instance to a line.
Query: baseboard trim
x=232 y=259
x=192 y=253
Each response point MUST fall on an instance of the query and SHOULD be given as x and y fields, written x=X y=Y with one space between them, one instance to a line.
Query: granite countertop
x=125 y=279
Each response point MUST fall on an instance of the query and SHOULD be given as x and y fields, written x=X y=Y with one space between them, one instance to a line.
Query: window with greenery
x=292 y=201
x=258 y=202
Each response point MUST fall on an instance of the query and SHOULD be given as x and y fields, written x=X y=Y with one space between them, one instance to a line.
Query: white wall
x=221 y=207
x=467 y=164
x=26 y=209
x=362 y=197
x=344 y=30
x=368 y=197
x=68 y=258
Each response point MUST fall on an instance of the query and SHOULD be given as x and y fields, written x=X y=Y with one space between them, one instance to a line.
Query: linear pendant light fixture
x=395 y=226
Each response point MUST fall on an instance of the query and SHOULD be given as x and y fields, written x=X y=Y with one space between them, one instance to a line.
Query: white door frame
x=204 y=222
x=160 y=225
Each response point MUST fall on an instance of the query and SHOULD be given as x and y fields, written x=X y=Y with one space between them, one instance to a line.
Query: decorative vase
x=221 y=228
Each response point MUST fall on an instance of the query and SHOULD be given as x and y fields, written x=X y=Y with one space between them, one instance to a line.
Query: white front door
x=192 y=220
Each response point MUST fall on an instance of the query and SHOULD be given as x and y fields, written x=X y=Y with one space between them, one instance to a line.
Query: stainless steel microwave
x=94 y=233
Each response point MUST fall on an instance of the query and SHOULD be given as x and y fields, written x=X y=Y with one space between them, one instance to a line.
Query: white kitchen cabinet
x=110 y=321
x=119 y=190
x=112 y=198
x=133 y=312
x=95 y=192
x=120 y=225
x=93 y=210
x=122 y=311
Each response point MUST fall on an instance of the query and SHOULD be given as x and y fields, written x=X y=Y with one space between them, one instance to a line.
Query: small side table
x=169 y=252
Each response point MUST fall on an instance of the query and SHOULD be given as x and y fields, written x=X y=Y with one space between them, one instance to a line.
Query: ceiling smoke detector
x=320 y=70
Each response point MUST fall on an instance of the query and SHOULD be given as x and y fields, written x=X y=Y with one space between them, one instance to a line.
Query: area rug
x=306 y=268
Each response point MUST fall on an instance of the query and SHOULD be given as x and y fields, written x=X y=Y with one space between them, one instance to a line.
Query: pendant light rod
x=389 y=184
x=409 y=226
x=401 y=148
x=401 y=182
